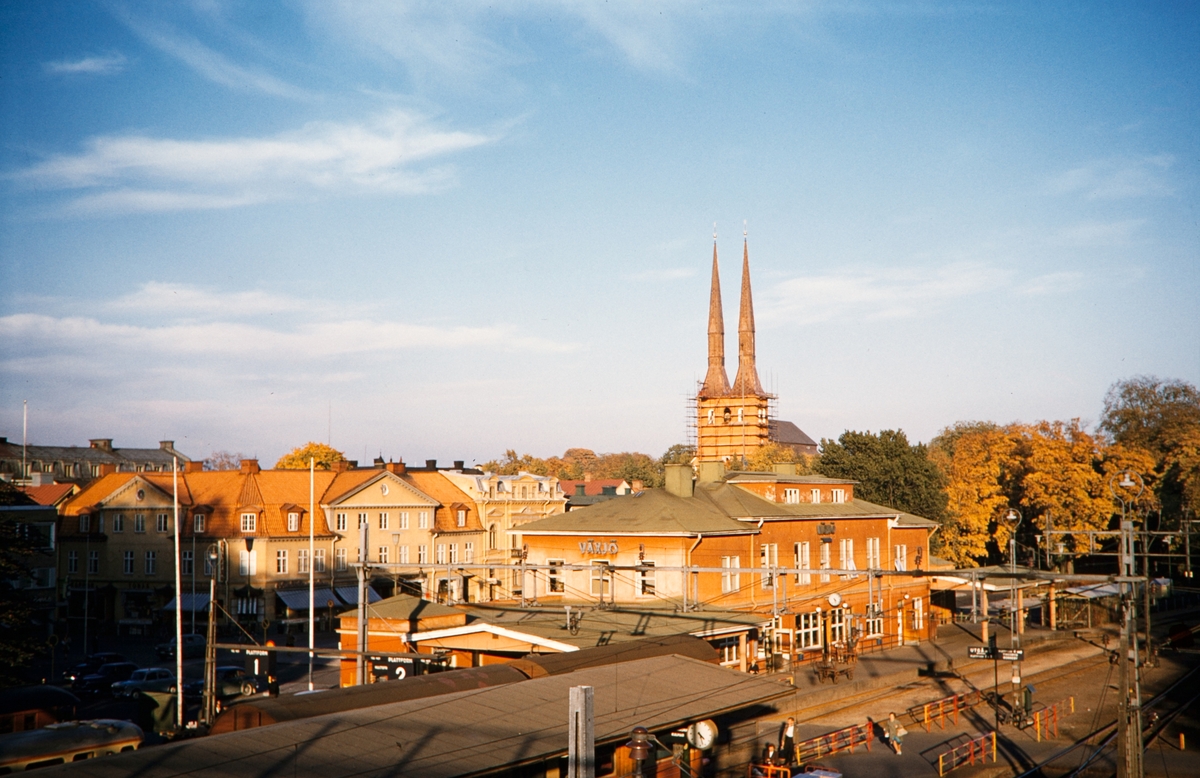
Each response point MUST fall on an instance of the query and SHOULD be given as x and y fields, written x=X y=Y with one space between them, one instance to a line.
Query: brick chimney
x=340 y=466
x=166 y=445
x=103 y=444
x=399 y=468
x=108 y=468
x=250 y=466
x=193 y=467
x=431 y=464
x=637 y=485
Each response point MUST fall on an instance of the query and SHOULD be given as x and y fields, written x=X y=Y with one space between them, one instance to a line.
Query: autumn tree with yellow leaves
x=298 y=458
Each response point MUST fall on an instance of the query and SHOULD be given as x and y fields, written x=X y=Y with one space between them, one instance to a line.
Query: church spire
x=716 y=382
x=746 y=383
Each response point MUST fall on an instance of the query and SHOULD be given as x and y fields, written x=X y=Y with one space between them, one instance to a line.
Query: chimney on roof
x=580 y=490
x=166 y=445
x=711 y=472
x=108 y=468
x=249 y=466
x=679 y=480
x=784 y=468
x=353 y=464
x=193 y=467
x=587 y=477
x=340 y=466
x=3 y=439
x=458 y=464
x=103 y=444
x=399 y=468
x=431 y=464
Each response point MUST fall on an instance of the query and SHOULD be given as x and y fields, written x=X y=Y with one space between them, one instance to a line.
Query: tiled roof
x=788 y=434
x=49 y=494
x=452 y=499
x=593 y=487
x=654 y=511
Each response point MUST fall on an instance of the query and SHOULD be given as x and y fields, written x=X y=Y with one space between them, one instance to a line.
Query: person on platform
x=895 y=733
x=787 y=741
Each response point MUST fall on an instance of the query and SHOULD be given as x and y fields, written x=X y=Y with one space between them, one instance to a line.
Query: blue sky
x=445 y=229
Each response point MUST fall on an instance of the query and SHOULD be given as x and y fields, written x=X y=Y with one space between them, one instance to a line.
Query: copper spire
x=746 y=383
x=716 y=382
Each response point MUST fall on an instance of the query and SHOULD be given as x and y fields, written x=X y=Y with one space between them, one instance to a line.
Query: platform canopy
x=297 y=599
x=190 y=602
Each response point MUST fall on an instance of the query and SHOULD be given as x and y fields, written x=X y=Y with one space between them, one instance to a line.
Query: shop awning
x=190 y=602
x=349 y=595
x=297 y=599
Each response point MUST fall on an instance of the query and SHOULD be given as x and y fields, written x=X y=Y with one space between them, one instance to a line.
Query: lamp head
x=1127 y=480
x=1013 y=515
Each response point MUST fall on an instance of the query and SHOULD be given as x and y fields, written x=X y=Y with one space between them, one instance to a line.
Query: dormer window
x=198 y=524
x=791 y=496
x=462 y=517
x=816 y=496
x=249 y=522
x=293 y=522
x=839 y=495
x=85 y=524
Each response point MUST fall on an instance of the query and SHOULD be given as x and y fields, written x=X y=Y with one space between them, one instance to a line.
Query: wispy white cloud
x=208 y=62
x=1116 y=179
x=158 y=297
x=138 y=173
x=97 y=66
x=1052 y=283
x=876 y=294
x=1092 y=233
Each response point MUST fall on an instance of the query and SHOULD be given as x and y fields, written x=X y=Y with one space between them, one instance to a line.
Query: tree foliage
x=224 y=460
x=889 y=470
x=20 y=641
x=298 y=458
x=1163 y=419
x=577 y=463
x=974 y=456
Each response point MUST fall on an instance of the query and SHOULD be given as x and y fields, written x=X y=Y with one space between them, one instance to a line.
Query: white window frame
x=462 y=517
x=281 y=561
x=422 y=519
x=85 y=524
x=339 y=521
x=150 y=564
x=874 y=625
x=791 y=496
x=839 y=495
x=838 y=620
x=187 y=564
x=383 y=555
x=846 y=556
x=422 y=554
x=808 y=630
x=468 y=552
x=803 y=559
x=139 y=523
x=873 y=561
x=555 y=583
x=900 y=557
x=247 y=563
x=163 y=522
x=646 y=582
x=814 y=496
x=918 y=614
x=293 y=521
x=599 y=578
x=404 y=555
x=440 y=554
x=118 y=524
x=731 y=579
x=403 y=519
x=302 y=560
x=384 y=520
x=453 y=558
x=339 y=559
x=127 y=568
x=249 y=523
x=825 y=561
x=198 y=524
x=768 y=557
x=363 y=520
x=319 y=560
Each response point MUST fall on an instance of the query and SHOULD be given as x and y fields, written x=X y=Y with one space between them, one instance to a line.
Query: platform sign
x=979 y=652
x=390 y=668
x=1012 y=654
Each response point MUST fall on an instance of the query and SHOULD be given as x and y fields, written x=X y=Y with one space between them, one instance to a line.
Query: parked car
x=101 y=681
x=150 y=679
x=232 y=681
x=92 y=664
x=193 y=647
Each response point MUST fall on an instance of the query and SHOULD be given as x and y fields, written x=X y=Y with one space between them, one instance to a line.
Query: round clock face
x=835 y=599
x=702 y=734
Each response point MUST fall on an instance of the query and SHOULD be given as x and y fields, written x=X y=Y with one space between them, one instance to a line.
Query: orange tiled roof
x=451 y=499
x=49 y=494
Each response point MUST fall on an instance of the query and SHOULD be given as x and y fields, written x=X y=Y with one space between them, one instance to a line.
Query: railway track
x=871 y=696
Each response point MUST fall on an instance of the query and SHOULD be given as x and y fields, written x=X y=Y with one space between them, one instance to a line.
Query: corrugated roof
x=471 y=733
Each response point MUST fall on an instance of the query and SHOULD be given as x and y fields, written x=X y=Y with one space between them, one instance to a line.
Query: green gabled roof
x=652 y=512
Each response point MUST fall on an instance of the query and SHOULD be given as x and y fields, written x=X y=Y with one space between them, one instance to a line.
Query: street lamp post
x=210 y=647
x=1013 y=517
x=1129 y=722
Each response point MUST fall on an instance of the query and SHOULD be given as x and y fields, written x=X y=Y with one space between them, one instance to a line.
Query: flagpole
x=312 y=564
x=178 y=601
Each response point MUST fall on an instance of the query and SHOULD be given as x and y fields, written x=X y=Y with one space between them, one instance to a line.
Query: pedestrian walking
x=895 y=733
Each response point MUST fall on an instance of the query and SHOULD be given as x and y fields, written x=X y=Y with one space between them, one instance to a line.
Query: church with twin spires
x=733 y=421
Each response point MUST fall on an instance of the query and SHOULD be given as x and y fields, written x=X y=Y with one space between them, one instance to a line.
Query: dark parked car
x=101 y=681
x=150 y=679
x=193 y=647
x=92 y=664
x=232 y=681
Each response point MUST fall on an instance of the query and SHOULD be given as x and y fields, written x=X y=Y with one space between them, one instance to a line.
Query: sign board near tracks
x=1002 y=654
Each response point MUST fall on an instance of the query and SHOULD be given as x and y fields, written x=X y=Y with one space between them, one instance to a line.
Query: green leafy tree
x=298 y=458
x=20 y=641
x=679 y=454
x=889 y=470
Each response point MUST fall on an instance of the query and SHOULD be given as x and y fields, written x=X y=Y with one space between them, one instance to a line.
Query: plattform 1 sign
x=1003 y=654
